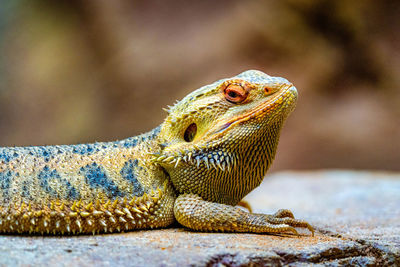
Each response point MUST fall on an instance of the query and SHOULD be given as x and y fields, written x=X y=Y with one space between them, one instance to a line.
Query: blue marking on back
x=130 y=142
x=128 y=172
x=156 y=131
x=96 y=177
x=5 y=181
x=85 y=149
x=25 y=193
x=45 y=152
x=46 y=175
x=7 y=154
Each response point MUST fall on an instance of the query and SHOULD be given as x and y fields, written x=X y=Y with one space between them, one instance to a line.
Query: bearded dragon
x=213 y=148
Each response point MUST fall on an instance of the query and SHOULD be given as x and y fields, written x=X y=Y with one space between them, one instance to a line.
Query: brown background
x=84 y=71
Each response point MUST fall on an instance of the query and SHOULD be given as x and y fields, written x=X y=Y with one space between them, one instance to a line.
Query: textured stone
x=356 y=215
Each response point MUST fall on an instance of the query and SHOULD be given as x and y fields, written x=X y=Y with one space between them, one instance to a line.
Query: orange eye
x=235 y=93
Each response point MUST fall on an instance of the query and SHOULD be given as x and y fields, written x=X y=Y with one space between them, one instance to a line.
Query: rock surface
x=356 y=214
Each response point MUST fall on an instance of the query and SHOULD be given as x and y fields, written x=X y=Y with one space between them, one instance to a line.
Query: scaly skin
x=214 y=147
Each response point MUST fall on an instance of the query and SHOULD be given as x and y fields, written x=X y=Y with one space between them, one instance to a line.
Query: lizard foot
x=195 y=213
x=284 y=218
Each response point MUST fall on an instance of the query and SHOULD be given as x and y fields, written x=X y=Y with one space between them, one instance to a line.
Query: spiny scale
x=79 y=217
x=218 y=162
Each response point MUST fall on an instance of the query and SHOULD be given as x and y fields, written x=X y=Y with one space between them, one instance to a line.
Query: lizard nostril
x=267 y=90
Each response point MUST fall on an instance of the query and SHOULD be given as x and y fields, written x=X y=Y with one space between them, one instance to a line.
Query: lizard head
x=219 y=141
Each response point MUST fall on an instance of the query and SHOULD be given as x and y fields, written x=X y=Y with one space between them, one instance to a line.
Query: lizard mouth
x=278 y=101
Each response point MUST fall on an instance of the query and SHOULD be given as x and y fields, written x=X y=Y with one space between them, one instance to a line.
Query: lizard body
x=214 y=147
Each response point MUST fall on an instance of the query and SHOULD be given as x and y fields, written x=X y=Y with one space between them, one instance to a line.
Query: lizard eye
x=235 y=93
x=190 y=132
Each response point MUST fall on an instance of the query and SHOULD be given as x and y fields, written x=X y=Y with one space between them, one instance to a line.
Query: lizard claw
x=285 y=217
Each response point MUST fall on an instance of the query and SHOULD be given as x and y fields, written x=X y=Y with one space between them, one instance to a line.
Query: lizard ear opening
x=190 y=132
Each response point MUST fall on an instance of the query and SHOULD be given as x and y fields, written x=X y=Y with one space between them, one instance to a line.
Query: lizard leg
x=193 y=212
x=246 y=205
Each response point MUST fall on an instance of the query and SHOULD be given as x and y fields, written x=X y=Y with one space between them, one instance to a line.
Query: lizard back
x=80 y=188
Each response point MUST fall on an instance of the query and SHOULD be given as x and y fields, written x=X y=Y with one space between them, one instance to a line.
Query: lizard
x=213 y=148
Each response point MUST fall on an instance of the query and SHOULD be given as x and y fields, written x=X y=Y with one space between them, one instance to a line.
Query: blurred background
x=83 y=71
